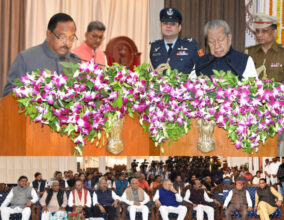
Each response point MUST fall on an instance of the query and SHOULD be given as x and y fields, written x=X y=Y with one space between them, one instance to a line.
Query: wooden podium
x=21 y=137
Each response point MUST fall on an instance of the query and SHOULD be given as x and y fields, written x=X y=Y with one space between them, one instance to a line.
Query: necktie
x=170 y=49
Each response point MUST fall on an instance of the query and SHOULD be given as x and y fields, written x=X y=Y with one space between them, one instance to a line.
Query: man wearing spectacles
x=89 y=49
x=222 y=56
x=60 y=36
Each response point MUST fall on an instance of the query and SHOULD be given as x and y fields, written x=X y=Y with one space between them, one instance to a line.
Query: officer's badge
x=182 y=48
x=188 y=39
x=170 y=12
x=156 y=49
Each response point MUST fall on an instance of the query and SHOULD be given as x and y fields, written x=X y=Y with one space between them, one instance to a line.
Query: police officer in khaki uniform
x=267 y=55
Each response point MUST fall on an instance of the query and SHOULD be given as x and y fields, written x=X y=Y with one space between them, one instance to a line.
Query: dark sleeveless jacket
x=60 y=195
x=267 y=196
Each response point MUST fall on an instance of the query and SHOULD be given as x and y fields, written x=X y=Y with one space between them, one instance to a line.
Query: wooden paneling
x=187 y=145
x=20 y=136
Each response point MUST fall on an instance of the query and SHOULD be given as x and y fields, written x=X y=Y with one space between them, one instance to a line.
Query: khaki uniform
x=269 y=65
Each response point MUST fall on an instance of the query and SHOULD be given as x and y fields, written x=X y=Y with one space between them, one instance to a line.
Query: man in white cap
x=267 y=55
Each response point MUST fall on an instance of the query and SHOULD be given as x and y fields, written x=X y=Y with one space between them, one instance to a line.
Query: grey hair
x=133 y=179
x=166 y=180
x=54 y=181
x=96 y=25
x=216 y=24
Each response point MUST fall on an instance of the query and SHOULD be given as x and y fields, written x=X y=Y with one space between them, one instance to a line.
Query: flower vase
x=115 y=144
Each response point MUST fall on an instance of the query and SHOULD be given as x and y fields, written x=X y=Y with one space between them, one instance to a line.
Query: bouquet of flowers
x=83 y=101
x=77 y=214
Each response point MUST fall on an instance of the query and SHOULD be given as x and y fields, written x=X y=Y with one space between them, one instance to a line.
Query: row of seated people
x=246 y=201
x=166 y=202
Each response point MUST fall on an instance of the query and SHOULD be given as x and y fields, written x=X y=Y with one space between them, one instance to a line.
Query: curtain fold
x=12 y=38
x=196 y=13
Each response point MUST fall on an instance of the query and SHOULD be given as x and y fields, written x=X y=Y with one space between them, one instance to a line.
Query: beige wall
x=11 y=168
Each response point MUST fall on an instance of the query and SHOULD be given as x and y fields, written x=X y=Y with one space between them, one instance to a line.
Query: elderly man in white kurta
x=137 y=199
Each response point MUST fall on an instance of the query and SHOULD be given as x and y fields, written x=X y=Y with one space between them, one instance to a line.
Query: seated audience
x=19 y=200
x=53 y=202
x=142 y=182
x=179 y=185
x=256 y=178
x=136 y=198
x=80 y=199
x=199 y=199
x=105 y=201
x=167 y=198
x=39 y=184
x=266 y=200
x=240 y=200
x=120 y=184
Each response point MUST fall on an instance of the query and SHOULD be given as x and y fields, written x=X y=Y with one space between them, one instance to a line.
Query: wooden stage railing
x=21 y=137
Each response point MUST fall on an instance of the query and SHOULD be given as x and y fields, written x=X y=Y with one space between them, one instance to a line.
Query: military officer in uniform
x=172 y=51
x=268 y=55
x=222 y=56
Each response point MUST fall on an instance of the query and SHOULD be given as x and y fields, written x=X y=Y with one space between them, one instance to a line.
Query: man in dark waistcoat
x=60 y=36
x=105 y=201
x=172 y=51
x=240 y=200
x=266 y=200
x=20 y=199
x=167 y=198
x=53 y=201
x=39 y=183
x=222 y=56
x=200 y=199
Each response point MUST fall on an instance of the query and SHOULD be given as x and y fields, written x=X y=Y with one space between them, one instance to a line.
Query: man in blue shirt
x=172 y=51
x=120 y=184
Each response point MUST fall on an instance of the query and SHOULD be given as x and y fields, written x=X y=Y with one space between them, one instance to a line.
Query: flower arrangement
x=77 y=214
x=83 y=101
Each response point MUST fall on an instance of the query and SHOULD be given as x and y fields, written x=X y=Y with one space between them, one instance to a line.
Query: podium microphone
x=211 y=58
x=72 y=55
x=228 y=60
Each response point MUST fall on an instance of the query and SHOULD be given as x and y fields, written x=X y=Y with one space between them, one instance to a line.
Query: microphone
x=228 y=60
x=211 y=58
x=74 y=56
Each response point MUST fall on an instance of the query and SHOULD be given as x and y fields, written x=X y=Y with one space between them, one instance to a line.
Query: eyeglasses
x=65 y=38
